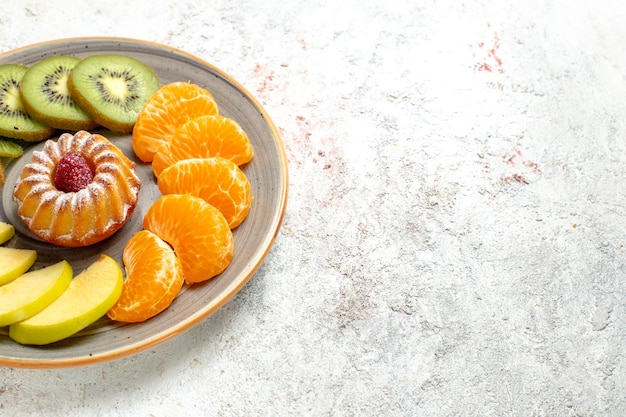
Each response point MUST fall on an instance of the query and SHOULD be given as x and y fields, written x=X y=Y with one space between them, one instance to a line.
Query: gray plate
x=267 y=172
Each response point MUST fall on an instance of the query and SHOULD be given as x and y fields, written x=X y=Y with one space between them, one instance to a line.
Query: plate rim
x=195 y=319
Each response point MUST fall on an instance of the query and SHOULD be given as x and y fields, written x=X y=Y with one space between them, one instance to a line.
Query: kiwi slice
x=46 y=98
x=15 y=122
x=112 y=89
x=8 y=152
x=10 y=149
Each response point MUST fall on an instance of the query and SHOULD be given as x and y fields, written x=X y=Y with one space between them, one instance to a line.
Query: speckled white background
x=454 y=239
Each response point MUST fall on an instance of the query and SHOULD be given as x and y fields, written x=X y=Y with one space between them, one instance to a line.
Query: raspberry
x=73 y=173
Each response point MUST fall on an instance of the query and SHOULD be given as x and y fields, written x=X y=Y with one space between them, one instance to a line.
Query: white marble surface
x=454 y=239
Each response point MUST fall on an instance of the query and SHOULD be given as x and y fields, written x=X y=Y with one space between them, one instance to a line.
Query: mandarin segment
x=154 y=277
x=168 y=108
x=198 y=232
x=203 y=137
x=217 y=180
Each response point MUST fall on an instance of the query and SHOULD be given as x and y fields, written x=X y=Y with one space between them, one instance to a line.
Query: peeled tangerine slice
x=30 y=293
x=87 y=298
x=14 y=262
x=7 y=231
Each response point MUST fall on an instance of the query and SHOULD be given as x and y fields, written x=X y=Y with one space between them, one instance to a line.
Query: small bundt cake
x=77 y=190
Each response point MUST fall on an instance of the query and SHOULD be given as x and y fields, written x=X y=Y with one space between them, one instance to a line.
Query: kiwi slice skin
x=112 y=89
x=15 y=122
x=46 y=98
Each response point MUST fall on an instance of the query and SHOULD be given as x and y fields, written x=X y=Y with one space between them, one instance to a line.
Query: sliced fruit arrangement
x=48 y=304
x=174 y=129
x=196 y=156
x=46 y=97
x=70 y=93
x=88 y=297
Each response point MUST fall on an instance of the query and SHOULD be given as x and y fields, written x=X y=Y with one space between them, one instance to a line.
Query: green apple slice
x=30 y=293
x=7 y=231
x=14 y=262
x=87 y=298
